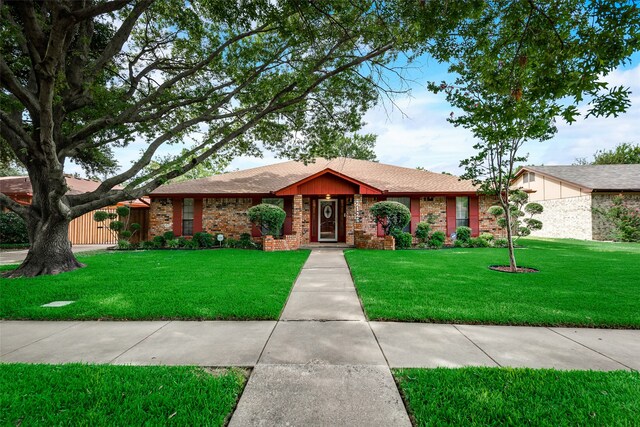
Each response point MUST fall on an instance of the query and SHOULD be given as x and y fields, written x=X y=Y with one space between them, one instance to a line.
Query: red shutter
x=474 y=216
x=255 y=231
x=415 y=214
x=177 y=217
x=288 y=220
x=451 y=215
x=197 y=215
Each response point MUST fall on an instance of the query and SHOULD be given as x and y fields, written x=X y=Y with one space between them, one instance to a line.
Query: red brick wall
x=368 y=241
x=290 y=242
x=437 y=207
x=487 y=221
x=160 y=217
x=227 y=216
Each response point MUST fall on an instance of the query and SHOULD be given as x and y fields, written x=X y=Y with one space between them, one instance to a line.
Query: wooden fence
x=84 y=230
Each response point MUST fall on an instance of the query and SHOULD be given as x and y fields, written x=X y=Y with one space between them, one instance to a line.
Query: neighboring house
x=569 y=195
x=325 y=201
x=82 y=230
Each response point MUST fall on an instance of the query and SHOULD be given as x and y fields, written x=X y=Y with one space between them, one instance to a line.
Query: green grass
x=503 y=396
x=210 y=284
x=100 y=395
x=591 y=284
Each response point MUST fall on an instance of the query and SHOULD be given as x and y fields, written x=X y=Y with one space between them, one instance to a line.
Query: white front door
x=328 y=220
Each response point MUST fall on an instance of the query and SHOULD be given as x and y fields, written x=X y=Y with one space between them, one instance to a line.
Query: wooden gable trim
x=292 y=188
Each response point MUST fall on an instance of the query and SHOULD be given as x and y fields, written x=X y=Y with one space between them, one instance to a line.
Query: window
x=462 y=211
x=528 y=177
x=187 y=217
x=405 y=201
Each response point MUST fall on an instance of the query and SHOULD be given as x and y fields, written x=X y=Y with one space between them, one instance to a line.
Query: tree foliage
x=623 y=154
x=356 y=146
x=392 y=216
x=268 y=218
x=520 y=224
x=520 y=65
x=625 y=219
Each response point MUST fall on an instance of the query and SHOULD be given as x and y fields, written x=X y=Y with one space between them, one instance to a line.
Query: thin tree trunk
x=512 y=255
x=50 y=251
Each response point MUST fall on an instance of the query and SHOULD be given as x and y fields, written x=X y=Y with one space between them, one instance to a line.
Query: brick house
x=325 y=201
x=569 y=195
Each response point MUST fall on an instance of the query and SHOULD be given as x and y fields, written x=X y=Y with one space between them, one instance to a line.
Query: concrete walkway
x=17 y=256
x=322 y=363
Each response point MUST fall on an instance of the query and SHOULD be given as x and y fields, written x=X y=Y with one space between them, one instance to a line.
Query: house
x=325 y=201
x=82 y=230
x=569 y=195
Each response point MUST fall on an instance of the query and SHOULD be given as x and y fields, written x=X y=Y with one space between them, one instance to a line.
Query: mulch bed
x=507 y=269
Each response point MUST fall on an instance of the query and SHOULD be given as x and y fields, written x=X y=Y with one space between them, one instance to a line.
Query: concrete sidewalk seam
x=589 y=348
x=138 y=343
x=479 y=348
x=43 y=338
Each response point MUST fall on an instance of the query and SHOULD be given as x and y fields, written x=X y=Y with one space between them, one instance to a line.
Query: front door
x=327 y=220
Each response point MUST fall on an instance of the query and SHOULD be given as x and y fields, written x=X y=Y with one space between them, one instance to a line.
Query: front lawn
x=505 y=396
x=593 y=284
x=146 y=285
x=101 y=395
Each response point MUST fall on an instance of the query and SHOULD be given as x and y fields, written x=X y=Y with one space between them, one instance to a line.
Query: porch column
x=353 y=220
x=296 y=216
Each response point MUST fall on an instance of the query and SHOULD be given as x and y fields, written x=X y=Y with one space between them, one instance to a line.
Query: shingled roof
x=269 y=179
x=21 y=185
x=594 y=177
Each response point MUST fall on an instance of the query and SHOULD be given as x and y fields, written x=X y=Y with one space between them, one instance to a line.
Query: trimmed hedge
x=268 y=218
x=393 y=216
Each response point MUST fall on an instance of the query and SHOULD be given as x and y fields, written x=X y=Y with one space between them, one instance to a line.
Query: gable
x=327 y=182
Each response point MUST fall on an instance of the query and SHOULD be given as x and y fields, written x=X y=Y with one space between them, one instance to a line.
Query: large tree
x=622 y=154
x=522 y=65
x=81 y=80
x=354 y=146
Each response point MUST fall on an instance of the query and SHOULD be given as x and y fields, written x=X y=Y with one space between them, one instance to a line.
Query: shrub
x=124 y=245
x=121 y=228
x=268 y=218
x=182 y=242
x=436 y=240
x=168 y=235
x=191 y=244
x=463 y=234
x=246 y=242
x=203 y=240
x=173 y=244
x=519 y=208
x=159 y=241
x=625 y=219
x=13 y=229
x=403 y=239
x=486 y=236
x=422 y=231
x=231 y=243
x=149 y=244
x=391 y=215
x=460 y=244
x=479 y=242
x=500 y=243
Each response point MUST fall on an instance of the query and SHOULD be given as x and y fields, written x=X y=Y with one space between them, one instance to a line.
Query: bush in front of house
x=159 y=241
x=486 y=236
x=463 y=234
x=436 y=240
x=422 y=231
x=268 y=218
x=404 y=240
x=245 y=242
x=13 y=229
x=391 y=216
x=203 y=240
x=500 y=243
x=478 y=242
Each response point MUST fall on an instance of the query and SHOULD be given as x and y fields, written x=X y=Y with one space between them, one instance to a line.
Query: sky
x=417 y=133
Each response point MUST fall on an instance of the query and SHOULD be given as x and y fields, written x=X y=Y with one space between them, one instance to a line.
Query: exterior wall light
x=328 y=196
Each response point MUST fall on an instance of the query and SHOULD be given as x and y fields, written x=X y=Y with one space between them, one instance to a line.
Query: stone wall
x=602 y=228
x=227 y=216
x=369 y=225
x=368 y=241
x=160 y=217
x=306 y=221
x=291 y=242
x=568 y=218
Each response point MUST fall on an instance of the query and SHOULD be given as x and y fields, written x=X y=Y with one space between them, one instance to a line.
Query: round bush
x=391 y=215
x=436 y=240
x=403 y=240
x=123 y=211
x=422 y=231
x=463 y=234
x=268 y=218
x=203 y=240
x=100 y=216
x=13 y=228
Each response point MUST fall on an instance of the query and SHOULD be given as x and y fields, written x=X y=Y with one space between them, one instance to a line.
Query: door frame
x=335 y=214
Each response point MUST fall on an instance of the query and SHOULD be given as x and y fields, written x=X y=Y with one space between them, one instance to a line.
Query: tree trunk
x=49 y=251
x=512 y=256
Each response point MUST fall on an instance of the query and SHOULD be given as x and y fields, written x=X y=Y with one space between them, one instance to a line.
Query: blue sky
x=417 y=134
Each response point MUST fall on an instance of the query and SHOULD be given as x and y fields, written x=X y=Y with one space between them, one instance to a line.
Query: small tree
x=625 y=219
x=118 y=222
x=268 y=218
x=518 y=209
x=393 y=216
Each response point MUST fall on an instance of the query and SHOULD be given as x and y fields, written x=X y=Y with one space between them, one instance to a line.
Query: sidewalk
x=322 y=363
x=16 y=257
